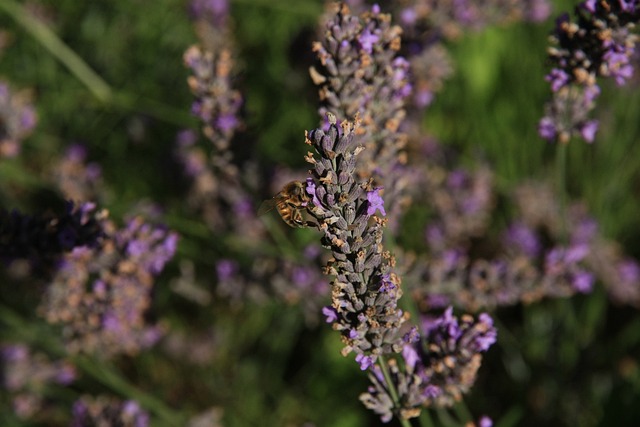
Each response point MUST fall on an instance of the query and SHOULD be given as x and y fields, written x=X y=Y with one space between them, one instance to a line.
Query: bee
x=290 y=202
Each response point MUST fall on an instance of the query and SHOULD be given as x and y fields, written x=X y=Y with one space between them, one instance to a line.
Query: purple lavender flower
x=438 y=368
x=547 y=129
x=360 y=75
x=367 y=318
x=101 y=295
x=565 y=264
x=225 y=269
x=375 y=202
x=25 y=372
x=599 y=43
x=567 y=115
x=331 y=314
x=216 y=104
x=558 y=78
x=17 y=120
x=523 y=239
x=534 y=261
x=77 y=179
x=108 y=411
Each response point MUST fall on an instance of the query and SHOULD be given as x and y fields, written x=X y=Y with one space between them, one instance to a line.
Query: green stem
x=425 y=418
x=392 y=388
x=58 y=49
x=463 y=413
x=561 y=183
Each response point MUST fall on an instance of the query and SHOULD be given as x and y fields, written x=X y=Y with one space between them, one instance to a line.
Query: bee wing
x=266 y=206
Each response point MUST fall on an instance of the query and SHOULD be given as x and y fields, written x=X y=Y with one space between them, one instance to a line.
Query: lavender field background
x=140 y=287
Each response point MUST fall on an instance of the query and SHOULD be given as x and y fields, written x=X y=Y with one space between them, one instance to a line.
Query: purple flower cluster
x=430 y=67
x=600 y=257
x=17 y=120
x=506 y=278
x=25 y=374
x=100 y=295
x=438 y=368
x=77 y=179
x=103 y=410
x=567 y=115
x=364 y=291
x=41 y=238
x=463 y=201
x=542 y=251
x=217 y=103
x=212 y=63
x=360 y=72
x=600 y=42
x=361 y=75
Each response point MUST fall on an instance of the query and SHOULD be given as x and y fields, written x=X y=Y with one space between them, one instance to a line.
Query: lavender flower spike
x=599 y=42
x=438 y=369
x=18 y=118
x=217 y=103
x=364 y=290
x=359 y=73
x=100 y=296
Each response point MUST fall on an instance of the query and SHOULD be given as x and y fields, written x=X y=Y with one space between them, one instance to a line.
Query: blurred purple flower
x=597 y=42
x=25 y=373
x=17 y=118
x=100 y=296
x=522 y=238
x=107 y=411
x=226 y=269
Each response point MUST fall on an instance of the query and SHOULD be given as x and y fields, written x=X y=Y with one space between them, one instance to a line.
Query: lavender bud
x=377 y=319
